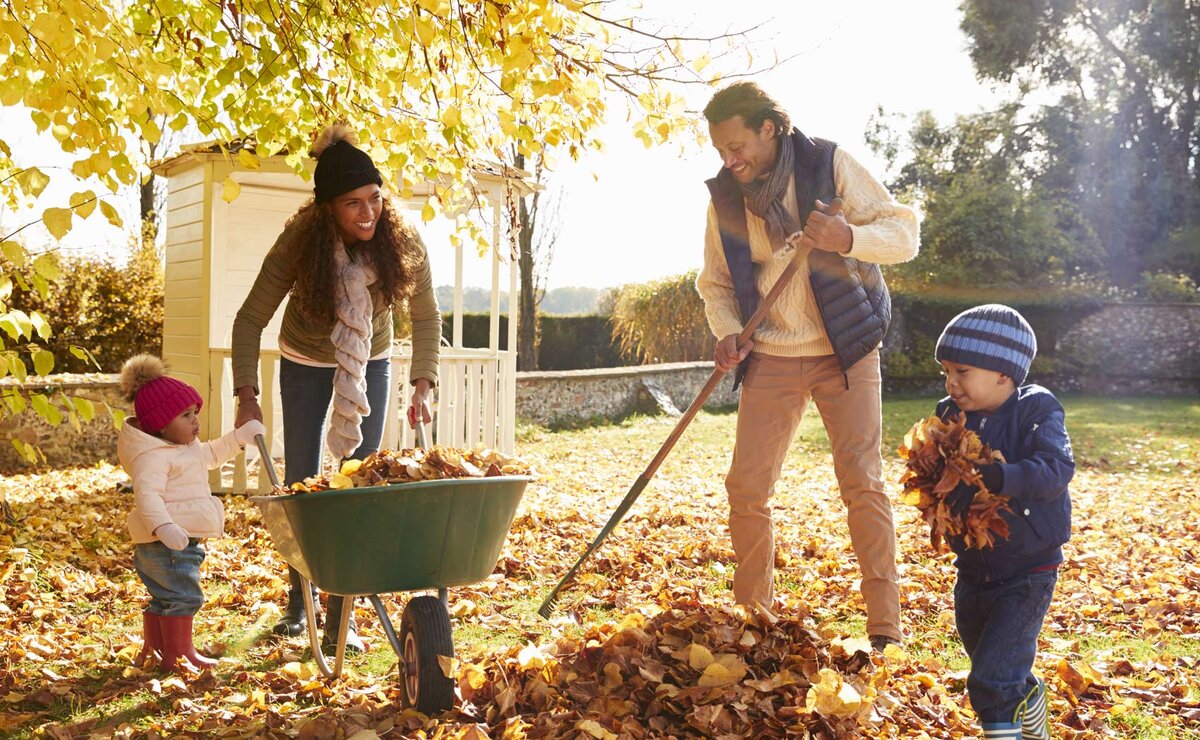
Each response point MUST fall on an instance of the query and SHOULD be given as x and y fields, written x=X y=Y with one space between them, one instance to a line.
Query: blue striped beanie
x=993 y=337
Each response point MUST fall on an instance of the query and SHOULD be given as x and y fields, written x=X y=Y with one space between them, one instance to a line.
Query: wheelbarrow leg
x=444 y=595
x=386 y=622
x=314 y=638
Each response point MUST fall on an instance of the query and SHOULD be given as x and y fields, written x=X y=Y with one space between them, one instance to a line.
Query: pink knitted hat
x=157 y=399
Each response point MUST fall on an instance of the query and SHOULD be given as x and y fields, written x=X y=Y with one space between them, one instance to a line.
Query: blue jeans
x=306 y=393
x=171 y=576
x=999 y=625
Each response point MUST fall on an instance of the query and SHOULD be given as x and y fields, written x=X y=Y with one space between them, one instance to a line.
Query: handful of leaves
x=939 y=455
x=388 y=467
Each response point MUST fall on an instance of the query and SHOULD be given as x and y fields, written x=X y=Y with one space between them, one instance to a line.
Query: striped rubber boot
x=1002 y=731
x=1035 y=718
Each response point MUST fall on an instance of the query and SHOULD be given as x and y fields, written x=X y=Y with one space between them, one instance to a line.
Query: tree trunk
x=149 y=216
x=528 y=324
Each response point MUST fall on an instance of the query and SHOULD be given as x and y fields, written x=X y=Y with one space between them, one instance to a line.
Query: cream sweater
x=884 y=232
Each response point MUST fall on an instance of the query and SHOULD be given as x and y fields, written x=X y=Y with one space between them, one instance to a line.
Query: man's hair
x=751 y=102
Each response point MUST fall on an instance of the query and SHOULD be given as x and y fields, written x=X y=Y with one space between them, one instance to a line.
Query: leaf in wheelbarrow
x=387 y=467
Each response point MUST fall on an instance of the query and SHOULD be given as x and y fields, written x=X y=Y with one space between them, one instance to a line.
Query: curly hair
x=751 y=102
x=394 y=251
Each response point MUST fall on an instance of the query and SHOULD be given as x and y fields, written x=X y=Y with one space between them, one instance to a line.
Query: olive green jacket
x=312 y=339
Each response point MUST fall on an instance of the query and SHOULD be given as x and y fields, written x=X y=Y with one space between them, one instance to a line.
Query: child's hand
x=172 y=535
x=993 y=477
x=246 y=433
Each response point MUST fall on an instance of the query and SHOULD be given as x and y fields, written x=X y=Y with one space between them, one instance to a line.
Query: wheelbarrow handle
x=267 y=463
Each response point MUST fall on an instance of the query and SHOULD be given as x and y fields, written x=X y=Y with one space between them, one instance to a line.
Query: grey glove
x=246 y=433
x=172 y=535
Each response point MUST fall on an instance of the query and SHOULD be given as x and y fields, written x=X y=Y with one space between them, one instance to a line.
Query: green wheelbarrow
x=404 y=537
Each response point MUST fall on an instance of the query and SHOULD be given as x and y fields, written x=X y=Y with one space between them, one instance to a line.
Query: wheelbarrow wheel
x=425 y=635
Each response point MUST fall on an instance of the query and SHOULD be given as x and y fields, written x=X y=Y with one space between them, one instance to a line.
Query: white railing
x=475 y=387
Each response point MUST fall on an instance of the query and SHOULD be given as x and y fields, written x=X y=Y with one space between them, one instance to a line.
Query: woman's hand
x=420 y=403
x=247 y=406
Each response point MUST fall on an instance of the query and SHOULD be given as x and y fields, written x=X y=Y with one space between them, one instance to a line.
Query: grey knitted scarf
x=765 y=197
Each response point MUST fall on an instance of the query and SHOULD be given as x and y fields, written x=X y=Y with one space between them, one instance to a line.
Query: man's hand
x=247 y=406
x=420 y=403
x=829 y=233
x=727 y=355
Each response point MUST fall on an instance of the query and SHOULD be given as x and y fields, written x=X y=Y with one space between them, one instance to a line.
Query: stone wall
x=1121 y=349
x=63 y=444
x=1135 y=348
x=568 y=396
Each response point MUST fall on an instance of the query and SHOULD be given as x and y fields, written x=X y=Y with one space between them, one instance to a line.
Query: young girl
x=173 y=508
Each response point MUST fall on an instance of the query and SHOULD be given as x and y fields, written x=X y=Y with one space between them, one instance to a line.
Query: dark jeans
x=999 y=625
x=306 y=393
x=171 y=576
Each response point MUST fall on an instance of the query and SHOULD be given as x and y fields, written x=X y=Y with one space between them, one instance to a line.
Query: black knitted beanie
x=341 y=166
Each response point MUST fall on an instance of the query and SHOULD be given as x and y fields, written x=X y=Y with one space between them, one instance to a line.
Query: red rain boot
x=177 y=643
x=152 y=639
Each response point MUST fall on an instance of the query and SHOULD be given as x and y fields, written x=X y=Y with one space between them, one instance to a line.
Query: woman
x=347 y=258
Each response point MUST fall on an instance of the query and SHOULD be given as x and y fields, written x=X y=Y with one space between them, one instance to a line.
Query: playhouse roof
x=485 y=171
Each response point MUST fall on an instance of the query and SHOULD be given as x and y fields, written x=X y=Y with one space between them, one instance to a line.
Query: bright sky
x=631 y=214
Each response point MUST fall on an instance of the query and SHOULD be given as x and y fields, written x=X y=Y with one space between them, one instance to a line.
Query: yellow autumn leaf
x=83 y=203
x=339 y=481
x=57 y=221
x=716 y=675
x=350 y=467
x=473 y=675
x=247 y=159
x=832 y=697
x=699 y=657
x=230 y=189
x=110 y=213
x=595 y=729
x=531 y=657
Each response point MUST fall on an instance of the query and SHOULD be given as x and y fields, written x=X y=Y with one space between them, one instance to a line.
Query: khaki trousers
x=774 y=394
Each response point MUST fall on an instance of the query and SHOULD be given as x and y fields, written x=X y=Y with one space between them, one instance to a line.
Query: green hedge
x=924 y=316
x=567 y=343
x=583 y=342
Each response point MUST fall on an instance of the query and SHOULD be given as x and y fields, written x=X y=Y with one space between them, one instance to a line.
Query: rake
x=551 y=603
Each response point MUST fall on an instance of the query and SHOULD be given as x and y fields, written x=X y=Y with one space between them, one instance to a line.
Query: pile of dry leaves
x=690 y=670
x=938 y=457
x=387 y=467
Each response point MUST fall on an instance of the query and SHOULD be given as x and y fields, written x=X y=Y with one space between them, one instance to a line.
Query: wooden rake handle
x=698 y=402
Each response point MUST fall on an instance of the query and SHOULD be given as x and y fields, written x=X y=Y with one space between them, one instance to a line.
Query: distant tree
x=1127 y=144
x=537 y=218
x=571 y=300
x=993 y=211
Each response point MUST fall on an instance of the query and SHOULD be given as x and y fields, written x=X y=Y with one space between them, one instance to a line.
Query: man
x=819 y=341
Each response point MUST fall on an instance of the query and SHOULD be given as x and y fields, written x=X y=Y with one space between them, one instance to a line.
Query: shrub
x=566 y=342
x=662 y=321
x=1162 y=287
x=115 y=311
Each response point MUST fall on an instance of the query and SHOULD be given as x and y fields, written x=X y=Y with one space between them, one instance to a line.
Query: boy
x=1002 y=594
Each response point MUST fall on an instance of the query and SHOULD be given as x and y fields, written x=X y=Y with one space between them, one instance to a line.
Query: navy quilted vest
x=851 y=296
